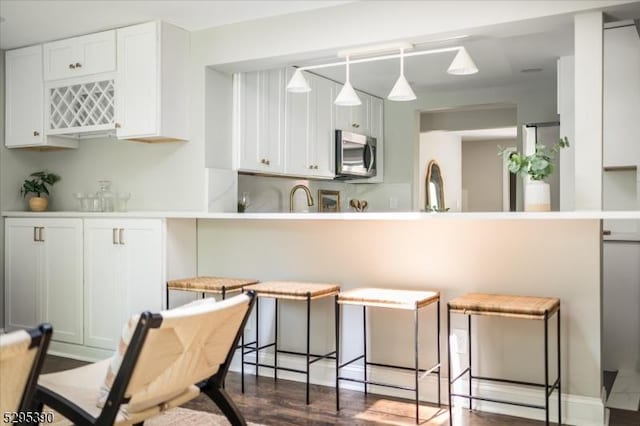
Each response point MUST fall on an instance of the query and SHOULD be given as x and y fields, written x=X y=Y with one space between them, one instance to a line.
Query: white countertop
x=395 y=216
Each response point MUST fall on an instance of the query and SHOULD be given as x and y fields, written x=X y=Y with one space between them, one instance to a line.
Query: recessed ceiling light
x=527 y=70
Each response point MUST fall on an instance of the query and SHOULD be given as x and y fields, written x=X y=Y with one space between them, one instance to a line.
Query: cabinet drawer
x=80 y=56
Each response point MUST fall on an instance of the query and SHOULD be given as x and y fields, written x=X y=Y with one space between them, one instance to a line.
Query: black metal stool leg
x=417 y=371
x=546 y=368
x=275 y=352
x=336 y=311
x=559 y=373
x=364 y=340
x=449 y=390
x=308 y=340
x=167 y=294
x=438 y=355
x=257 y=352
x=470 y=373
x=242 y=362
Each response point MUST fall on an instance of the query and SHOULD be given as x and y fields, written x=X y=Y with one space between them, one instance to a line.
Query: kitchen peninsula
x=454 y=253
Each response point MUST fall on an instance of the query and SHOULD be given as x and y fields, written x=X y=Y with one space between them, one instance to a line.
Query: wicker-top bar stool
x=409 y=300
x=208 y=285
x=522 y=307
x=287 y=290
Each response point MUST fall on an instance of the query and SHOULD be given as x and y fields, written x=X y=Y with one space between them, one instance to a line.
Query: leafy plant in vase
x=537 y=166
x=38 y=187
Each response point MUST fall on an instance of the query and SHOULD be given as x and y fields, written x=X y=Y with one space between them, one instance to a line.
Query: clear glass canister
x=105 y=196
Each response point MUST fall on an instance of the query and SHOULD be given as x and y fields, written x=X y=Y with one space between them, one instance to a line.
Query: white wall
x=481 y=118
x=447 y=255
x=446 y=149
x=566 y=110
x=482 y=171
x=588 y=110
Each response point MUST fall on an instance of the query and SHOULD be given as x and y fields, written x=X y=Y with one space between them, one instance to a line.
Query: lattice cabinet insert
x=81 y=108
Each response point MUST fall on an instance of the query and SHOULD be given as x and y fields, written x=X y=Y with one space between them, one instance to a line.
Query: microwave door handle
x=372 y=160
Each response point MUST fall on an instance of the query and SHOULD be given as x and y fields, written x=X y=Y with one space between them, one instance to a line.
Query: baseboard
x=79 y=352
x=576 y=409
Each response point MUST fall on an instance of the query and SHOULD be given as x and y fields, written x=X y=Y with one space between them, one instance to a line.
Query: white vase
x=537 y=196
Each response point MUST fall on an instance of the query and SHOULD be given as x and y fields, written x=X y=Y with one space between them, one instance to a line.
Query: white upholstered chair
x=171 y=357
x=21 y=357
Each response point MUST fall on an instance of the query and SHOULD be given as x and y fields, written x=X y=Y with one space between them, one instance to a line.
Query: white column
x=588 y=110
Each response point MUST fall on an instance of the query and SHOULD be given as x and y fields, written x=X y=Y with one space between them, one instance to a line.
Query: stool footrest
x=318 y=357
x=553 y=387
x=401 y=367
x=370 y=382
x=351 y=362
x=499 y=401
x=292 y=370
x=513 y=382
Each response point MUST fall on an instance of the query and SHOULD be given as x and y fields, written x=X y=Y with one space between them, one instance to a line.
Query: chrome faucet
x=293 y=190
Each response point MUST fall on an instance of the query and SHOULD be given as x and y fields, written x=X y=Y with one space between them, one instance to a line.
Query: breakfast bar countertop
x=380 y=216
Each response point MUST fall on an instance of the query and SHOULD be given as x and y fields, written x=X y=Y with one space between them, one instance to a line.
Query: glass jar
x=105 y=196
x=121 y=201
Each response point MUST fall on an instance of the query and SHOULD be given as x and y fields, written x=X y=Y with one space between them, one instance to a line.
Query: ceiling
x=28 y=22
x=500 y=60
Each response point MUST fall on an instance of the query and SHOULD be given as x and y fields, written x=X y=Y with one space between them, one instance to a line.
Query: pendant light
x=401 y=90
x=347 y=96
x=462 y=64
x=298 y=84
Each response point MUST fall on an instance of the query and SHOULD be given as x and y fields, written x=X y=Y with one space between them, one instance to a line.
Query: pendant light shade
x=347 y=96
x=298 y=84
x=462 y=64
x=401 y=90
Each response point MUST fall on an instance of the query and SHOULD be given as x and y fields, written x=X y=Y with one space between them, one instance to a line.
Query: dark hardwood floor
x=282 y=403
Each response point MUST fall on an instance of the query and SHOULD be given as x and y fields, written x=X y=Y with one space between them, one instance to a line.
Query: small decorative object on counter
x=537 y=166
x=106 y=197
x=358 y=205
x=121 y=201
x=38 y=186
x=243 y=202
x=328 y=201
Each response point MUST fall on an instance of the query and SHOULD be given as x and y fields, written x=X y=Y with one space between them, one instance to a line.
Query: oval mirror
x=434 y=188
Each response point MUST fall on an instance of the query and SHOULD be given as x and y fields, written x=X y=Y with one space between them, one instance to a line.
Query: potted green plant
x=537 y=166
x=38 y=186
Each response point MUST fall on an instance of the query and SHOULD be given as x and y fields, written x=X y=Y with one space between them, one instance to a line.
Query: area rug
x=173 y=417
x=186 y=417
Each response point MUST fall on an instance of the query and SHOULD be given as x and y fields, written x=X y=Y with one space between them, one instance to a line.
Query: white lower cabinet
x=43 y=275
x=84 y=276
x=123 y=271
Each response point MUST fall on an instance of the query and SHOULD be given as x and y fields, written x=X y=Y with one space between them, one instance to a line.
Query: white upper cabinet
x=357 y=118
x=152 y=83
x=621 y=102
x=80 y=56
x=24 y=97
x=24 y=101
x=377 y=131
x=260 y=120
x=276 y=132
x=310 y=129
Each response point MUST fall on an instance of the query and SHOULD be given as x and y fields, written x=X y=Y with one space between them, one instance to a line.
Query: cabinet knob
x=36 y=133
x=263 y=161
x=118 y=125
x=268 y=162
x=311 y=166
x=78 y=65
x=356 y=125
x=315 y=167
x=71 y=66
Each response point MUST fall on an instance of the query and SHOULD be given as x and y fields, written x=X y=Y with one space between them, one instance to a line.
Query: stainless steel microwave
x=355 y=155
